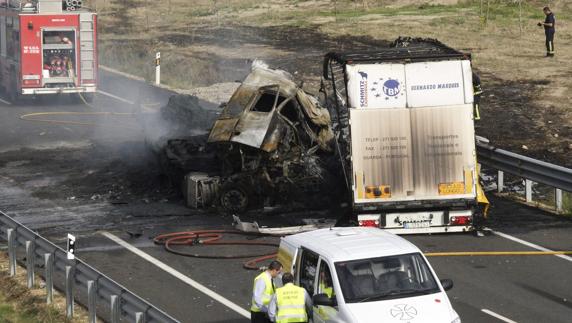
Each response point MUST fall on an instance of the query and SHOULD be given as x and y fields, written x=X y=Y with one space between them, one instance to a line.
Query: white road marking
x=5 y=102
x=498 y=316
x=224 y=301
x=115 y=97
x=529 y=244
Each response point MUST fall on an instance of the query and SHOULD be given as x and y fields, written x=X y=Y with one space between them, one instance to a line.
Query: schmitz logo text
x=363 y=89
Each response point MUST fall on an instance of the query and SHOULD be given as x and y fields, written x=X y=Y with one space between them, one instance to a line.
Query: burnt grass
x=511 y=120
x=303 y=48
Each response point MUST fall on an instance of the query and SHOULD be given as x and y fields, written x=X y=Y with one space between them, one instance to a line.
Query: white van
x=366 y=275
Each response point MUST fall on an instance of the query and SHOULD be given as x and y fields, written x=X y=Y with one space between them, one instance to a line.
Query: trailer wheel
x=234 y=198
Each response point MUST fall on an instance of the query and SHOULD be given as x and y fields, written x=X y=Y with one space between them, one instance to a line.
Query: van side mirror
x=324 y=300
x=447 y=284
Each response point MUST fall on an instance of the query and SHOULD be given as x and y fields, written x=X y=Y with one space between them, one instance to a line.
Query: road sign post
x=158 y=68
x=71 y=247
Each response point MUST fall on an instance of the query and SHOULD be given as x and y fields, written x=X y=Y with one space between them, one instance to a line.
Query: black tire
x=14 y=96
x=88 y=97
x=234 y=198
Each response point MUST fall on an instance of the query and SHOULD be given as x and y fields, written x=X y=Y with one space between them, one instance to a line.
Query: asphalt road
x=487 y=288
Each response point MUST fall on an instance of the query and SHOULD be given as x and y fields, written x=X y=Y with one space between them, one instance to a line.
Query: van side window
x=308 y=270
x=325 y=285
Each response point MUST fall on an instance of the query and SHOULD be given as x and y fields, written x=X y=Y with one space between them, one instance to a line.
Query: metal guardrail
x=532 y=170
x=99 y=290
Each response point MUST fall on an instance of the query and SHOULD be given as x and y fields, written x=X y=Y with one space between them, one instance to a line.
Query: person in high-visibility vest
x=290 y=304
x=262 y=292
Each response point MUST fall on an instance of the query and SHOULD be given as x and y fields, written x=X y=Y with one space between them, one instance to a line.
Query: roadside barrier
x=532 y=170
x=76 y=279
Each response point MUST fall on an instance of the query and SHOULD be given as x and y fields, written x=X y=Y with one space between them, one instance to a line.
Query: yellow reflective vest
x=291 y=304
x=268 y=291
x=327 y=290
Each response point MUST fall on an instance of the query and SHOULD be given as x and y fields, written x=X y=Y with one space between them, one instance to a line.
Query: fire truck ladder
x=87 y=57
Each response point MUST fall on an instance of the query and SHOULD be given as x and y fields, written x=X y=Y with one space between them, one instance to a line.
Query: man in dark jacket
x=549 y=30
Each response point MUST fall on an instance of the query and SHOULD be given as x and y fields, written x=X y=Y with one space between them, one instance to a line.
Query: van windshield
x=374 y=279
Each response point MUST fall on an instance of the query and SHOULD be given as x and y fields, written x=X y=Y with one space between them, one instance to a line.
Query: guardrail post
x=528 y=190
x=12 y=251
x=91 y=290
x=139 y=317
x=30 y=262
x=558 y=194
x=49 y=267
x=114 y=309
x=500 y=181
x=69 y=291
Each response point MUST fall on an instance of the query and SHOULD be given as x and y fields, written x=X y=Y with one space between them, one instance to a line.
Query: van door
x=308 y=268
x=325 y=285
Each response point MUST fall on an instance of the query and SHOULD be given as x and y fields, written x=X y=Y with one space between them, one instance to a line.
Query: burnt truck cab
x=270 y=137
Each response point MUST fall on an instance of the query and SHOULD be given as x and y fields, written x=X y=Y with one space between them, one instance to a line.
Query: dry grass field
x=527 y=96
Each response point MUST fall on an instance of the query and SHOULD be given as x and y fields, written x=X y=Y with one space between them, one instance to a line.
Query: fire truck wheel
x=88 y=97
x=14 y=96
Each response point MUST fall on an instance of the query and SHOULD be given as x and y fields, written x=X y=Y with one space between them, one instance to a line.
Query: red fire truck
x=47 y=47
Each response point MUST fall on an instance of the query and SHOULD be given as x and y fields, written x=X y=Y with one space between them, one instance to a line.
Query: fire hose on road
x=214 y=237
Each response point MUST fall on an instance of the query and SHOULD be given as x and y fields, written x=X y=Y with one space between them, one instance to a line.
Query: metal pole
x=528 y=190
x=12 y=251
x=114 y=309
x=158 y=68
x=139 y=317
x=559 y=207
x=69 y=291
x=30 y=257
x=91 y=290
x=500 y=181
x=49 y=266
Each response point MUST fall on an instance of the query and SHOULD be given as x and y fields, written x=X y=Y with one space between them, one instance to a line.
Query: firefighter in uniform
x=477 y=92
x=262 y=293
x=290 y=304
x=549 y=30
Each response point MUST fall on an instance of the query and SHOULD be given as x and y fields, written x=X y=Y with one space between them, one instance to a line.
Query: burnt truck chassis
x=271 y=145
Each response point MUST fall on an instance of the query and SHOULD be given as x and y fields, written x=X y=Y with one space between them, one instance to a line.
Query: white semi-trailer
x=406 y=136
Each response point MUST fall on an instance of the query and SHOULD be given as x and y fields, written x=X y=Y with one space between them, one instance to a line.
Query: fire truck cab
x=47 y=47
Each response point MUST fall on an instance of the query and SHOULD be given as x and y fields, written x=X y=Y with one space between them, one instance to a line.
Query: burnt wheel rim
x=234 y=200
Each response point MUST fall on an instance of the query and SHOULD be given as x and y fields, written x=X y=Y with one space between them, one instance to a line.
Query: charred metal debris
x=270 y=144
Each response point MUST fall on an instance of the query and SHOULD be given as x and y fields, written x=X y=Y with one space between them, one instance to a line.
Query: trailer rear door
x=412 y=131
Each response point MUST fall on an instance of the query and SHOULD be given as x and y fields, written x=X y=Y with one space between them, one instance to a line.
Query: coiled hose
x=213 y=237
